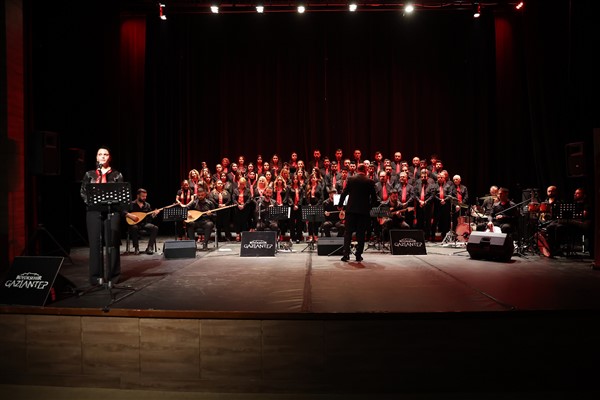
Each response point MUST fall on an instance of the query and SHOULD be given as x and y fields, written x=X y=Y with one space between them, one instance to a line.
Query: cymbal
x=487 y=197
x=463 y=205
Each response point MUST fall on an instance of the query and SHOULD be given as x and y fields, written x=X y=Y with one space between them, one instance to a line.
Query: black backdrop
x=496 y=98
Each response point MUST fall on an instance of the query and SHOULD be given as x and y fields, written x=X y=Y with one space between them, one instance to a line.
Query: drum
x=462 y=220
x=463 y=231
x=533 y=207
x=545 y=207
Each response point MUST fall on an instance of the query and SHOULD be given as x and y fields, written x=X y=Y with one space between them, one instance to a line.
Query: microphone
x=99 y=165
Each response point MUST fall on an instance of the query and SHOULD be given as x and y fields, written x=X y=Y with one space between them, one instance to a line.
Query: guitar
x=396 y=212
x=195 y=214
x=142 y=215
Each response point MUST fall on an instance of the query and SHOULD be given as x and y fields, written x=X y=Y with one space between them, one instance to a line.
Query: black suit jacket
x=361 y=195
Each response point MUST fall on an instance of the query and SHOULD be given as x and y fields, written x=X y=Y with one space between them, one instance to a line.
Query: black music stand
x=175 y=214
x=109 y=197
x=570 y=211
x=312 y=214
x=279 y=212
x=380 y=212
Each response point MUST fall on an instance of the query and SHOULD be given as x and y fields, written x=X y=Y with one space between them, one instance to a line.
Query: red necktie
x=344 y=184
x=220 y=199
x=279 y=197
x=333 y=180
x=384 y=193
x=441 y=192
x=398 y=168
x=404 y=194
x=459 y=194
x=422 y=192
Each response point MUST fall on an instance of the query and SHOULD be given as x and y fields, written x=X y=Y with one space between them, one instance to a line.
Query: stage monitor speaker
x=35 y=281
x=45 y=153
x=330 y=246
x=179 y=249
x=575 y=159
x=490 y=246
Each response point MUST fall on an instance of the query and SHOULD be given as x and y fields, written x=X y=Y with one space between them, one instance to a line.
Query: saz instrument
x=195 y=214
x=142 y=215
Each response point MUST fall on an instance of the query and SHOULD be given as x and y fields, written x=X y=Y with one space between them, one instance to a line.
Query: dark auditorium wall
x=498 y=98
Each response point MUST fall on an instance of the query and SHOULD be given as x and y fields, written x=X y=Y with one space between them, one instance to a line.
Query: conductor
x=361 y=194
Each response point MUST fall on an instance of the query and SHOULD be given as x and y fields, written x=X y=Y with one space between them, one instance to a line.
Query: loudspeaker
x=179 y=249
x=34 y=281
x=490 y=246
x=575 y=159
x=45 y=153
x=74 y=164
x=330 y=246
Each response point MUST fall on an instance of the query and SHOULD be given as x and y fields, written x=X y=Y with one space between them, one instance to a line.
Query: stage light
x=161 y=11
x=214 y=9
x=260 y=9
x=520 y=5
x=352 y=6
x=301 y=9
x=476 y=10
x=409 y=8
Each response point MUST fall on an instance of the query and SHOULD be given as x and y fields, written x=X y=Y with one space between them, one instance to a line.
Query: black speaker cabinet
x=330 y=246
x=180 y=249
x=45 y=153
x=490 y=246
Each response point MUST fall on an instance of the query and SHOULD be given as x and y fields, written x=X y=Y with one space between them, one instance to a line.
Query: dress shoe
x=149 y=252
x=136 y=251
x=359 y=258
x=345 y=259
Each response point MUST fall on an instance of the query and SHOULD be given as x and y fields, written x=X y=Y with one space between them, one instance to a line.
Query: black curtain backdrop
x=496 y=98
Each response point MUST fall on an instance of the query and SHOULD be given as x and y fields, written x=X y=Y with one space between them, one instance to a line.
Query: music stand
x=570 y=211
x=279 y=212
x=109 y=197
x=380 y=212
x=175 y=214
x=312 y=214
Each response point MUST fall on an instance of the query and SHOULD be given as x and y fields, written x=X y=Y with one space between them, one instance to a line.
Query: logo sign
x=30 y=280
x=407 y=241
x=258 y=244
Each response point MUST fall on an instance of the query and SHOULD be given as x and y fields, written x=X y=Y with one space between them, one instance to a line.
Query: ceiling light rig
x=161 y=11
x=287 y=6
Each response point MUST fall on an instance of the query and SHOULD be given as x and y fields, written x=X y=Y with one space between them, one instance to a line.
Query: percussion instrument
x=463 y=231
x=533 y=207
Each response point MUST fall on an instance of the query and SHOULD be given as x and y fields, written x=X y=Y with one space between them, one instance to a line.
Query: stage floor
x=301 y=282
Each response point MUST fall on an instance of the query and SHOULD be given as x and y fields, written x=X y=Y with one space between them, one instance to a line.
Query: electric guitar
x=142 y=215
x=195 y=214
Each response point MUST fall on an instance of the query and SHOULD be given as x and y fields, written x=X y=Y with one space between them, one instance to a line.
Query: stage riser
x=408 y=354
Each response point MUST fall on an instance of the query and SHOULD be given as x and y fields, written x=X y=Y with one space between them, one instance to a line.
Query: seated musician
x=205 y=221
x=261 y=212
x=504 y=213
x=577 y=223
x=550 y=203
x=222 y=198
x=396 y=218
x=332 y=216
x=140 y=205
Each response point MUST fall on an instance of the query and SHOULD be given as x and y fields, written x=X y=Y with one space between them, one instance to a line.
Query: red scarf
x=100 y=177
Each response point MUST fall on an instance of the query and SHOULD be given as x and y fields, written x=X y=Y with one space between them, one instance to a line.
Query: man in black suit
x=361 y=194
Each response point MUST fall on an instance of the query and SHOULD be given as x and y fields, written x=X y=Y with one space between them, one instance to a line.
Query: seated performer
x=396 y=218
x=575 y=225
x=205 y=221
x=504 y=213
x=332 y=216
x=140 y=205
x=261 y=212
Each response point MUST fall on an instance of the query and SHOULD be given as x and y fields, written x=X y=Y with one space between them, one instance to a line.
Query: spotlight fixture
x=352 y=6
x=161 y=11
x=409 y=8
x=520 y=5
x=476 y=10
x=260 y=8
x=301 y=9
x=214 y=9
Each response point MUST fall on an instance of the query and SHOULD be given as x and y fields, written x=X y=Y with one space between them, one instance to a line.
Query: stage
x=300 y=322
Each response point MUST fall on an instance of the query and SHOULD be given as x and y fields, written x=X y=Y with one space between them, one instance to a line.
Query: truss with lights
x=275 y=6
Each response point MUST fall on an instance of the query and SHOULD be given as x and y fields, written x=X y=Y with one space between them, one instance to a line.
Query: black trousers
x=99 y=228
x=358 y=223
